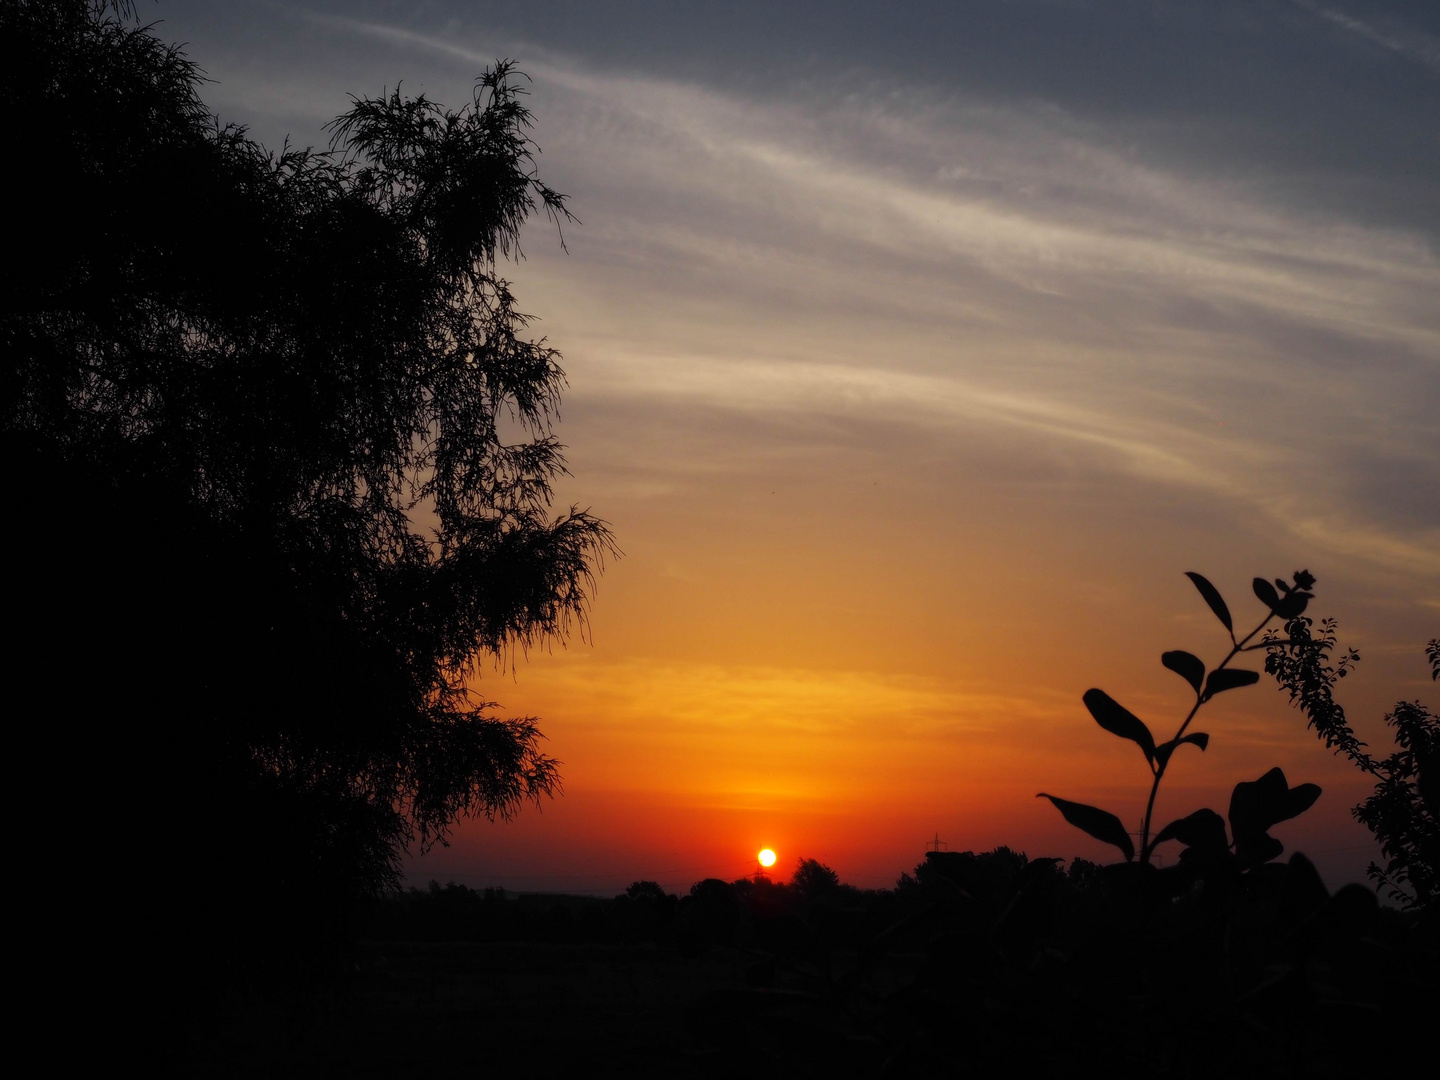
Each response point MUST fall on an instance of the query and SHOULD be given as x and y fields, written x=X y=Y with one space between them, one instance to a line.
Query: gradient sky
x=915 y=351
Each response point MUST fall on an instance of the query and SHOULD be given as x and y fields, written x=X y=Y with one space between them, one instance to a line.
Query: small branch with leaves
x=1255 y=806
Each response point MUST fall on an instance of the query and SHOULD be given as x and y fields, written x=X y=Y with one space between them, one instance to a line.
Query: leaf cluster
x=1255 y=806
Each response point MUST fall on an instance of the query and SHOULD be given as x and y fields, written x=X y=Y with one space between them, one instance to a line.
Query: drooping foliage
x=1403 y=811
x=285 y=455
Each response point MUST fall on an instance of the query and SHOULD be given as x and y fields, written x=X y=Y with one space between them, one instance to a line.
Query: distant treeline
x=813 y=911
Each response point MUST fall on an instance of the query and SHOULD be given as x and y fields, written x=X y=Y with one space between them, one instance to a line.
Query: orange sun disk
x=767 y=857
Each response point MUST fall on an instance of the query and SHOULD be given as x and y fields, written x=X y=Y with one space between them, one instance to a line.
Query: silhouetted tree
x=288 y=456
x=645 y=891
x=813 y=879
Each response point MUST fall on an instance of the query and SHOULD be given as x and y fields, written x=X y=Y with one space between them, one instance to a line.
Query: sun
x=767 y=857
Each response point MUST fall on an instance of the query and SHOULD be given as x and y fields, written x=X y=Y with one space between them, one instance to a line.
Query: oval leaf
x=1164 y=750
x=1302 y=797
x=1204 y=830
x=1256 y=805
x=1187 y=665
x=1252 y=801
x=1213 y=598
x=1118 y=720
x=1101 y=824
x=1267 y=594
x=1228 y=679
x=1293 y=605
x=1251 y=804
x=1261 y=848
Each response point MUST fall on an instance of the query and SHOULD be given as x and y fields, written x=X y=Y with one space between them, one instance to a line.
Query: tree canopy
x=286 y=451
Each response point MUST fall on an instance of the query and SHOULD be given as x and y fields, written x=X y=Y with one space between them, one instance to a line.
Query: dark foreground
x=983 y=965
x=422 y=1009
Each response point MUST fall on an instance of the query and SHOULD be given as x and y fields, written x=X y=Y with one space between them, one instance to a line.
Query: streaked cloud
x=1409 y=42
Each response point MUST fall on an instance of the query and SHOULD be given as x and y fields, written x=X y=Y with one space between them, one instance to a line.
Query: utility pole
x=1137 y=834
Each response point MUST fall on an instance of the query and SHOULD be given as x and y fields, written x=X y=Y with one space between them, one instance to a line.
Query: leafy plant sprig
x=1255 y=806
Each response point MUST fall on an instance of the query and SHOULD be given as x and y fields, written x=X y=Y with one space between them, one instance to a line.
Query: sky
x=915 y=351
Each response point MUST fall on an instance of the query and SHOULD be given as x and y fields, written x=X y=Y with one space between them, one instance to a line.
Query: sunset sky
x=915 y=351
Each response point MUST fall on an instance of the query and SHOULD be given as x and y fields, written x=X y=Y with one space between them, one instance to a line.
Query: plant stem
x=1236 y=650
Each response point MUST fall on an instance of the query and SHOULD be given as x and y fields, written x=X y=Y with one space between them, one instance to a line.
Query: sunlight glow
x=767 y=857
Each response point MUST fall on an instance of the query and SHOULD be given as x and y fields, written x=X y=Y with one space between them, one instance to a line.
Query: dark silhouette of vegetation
x=1256 y=806
x=288 y=452
x=1403 y=811
x=994 y=962
x=998 y=964
x=813 y=879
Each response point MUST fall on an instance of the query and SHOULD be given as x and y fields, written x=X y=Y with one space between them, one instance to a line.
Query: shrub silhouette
x=1256 y=806
x=1403 y=812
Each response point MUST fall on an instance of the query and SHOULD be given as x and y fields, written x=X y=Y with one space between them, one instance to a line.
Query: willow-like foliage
x=285 y=446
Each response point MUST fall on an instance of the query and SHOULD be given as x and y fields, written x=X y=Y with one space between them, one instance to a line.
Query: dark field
x=986 y=965
x=439 y=1009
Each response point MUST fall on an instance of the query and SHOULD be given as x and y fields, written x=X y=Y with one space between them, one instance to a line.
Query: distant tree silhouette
x=979 y=874
x=287 y=456
x=645 y=890
x=813 y=878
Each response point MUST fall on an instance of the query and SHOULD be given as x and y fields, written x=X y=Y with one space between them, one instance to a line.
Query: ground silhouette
x=992 y=963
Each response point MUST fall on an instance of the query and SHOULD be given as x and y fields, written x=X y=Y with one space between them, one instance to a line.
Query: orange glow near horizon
x=673 y=763
x=902 y=468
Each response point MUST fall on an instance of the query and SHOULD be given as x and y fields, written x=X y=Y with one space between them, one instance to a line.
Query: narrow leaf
x=1223 y=679
x=1213 y=598
x=1101 y=824
x=1267 y=594
x=1118 y=720
x=1164 y=750
x=1187 y=665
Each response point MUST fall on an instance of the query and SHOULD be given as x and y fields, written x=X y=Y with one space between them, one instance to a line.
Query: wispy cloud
x=939 y=260
x=1411 y=42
